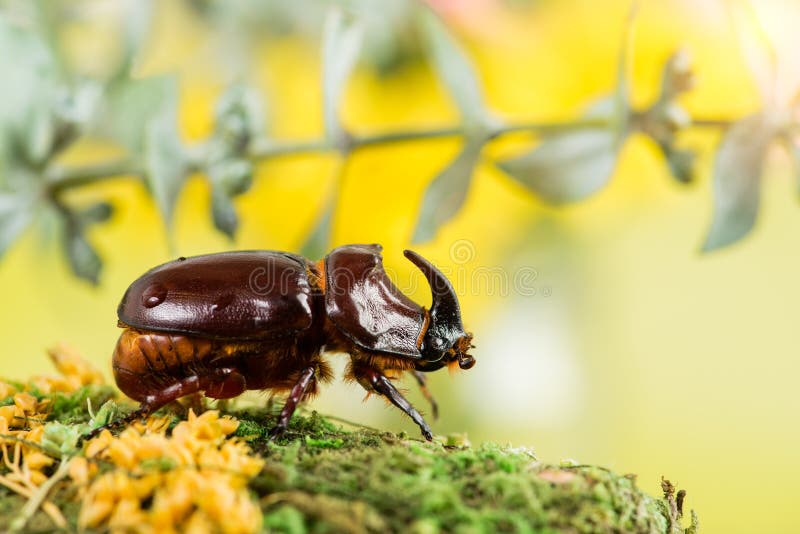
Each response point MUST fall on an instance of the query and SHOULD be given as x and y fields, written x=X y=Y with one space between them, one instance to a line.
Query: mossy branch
x=326 y=478
x=321 y=477
x=324 y=474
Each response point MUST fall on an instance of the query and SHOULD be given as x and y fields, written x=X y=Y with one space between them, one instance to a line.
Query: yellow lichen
x=195 y=479
x=73 y=367
x=22 y=424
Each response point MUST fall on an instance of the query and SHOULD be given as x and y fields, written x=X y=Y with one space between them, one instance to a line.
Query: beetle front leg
x=295 y=396
x=379 y=383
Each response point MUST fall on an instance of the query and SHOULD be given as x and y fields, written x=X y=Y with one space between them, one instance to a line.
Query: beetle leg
x=142 y=411
x=186 y=386
x=422 y=380
x=225 y=383
x=295 y=396
x=384 y=386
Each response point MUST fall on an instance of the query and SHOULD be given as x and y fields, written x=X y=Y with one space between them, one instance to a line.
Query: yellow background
x=646 y=356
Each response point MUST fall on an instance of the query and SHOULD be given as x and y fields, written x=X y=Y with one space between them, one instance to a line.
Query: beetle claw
x=276 y=432
x=113 y=425
x=427 y=434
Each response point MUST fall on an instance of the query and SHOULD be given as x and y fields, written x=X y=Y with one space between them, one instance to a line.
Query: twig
x=63 y=178
x=38 y=499
x=52 y=452
x=49 y=508
x=264 y=149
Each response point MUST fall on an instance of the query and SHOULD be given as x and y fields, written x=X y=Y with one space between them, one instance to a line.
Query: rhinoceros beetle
x=224 y=323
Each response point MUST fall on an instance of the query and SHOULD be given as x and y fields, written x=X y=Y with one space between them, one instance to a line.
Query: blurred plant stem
x=61 y=178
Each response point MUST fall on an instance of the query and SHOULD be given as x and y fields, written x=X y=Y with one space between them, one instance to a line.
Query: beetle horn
x=445 y=327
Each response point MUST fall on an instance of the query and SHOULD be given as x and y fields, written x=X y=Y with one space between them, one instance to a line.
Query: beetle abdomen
x=144 y=360
x=231 y=295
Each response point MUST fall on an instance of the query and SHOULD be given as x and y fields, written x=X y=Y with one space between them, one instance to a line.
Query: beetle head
x=445 y=340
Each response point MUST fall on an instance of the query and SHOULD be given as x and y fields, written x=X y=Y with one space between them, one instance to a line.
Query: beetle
x=225 y=323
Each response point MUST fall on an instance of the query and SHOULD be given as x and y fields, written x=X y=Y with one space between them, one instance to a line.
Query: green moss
x=320 y=477
x=72 y=408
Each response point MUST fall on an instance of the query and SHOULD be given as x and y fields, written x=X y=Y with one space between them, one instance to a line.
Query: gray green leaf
x=129 y=106
x=96 y=213
x=680 y=162
x=136 y=27
x=239 y=118
x=341 y=41
x=27 y=96
x=737 y=179
x=166 y=163
x=572 y=165
x=454 y=68
x=16 y=213
x=232 y=176
x=25 y=60
x=621 y=97
x=223 y=213
x=447 y=192
x=794 y=152
x=83 y=259
x=317 y=243
x=229 y=178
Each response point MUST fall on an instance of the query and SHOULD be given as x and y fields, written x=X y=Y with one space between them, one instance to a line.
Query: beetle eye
x=438 y=343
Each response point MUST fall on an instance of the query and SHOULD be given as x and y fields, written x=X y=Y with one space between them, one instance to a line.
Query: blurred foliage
x=54 y=104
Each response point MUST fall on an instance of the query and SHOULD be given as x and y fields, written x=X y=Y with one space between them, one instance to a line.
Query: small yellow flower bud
x=228 y=425
x=37 y=460
x=122 y=454
x=7 y=414
x=99 y=444
x=25 y=402
x=94 y=511
x=79 y=470
x=37 y=478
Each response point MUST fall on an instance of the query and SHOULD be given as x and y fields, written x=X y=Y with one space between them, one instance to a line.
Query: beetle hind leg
x=222 y=383
x=373 y=380
x=139 y=413
x=226 y=383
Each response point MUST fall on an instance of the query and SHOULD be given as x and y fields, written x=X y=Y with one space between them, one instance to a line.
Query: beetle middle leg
x=373 y=379
x=295 y=396
x=422 y=380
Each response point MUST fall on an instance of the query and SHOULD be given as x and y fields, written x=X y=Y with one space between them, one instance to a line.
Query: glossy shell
x=232 y=295
x=367 y=307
